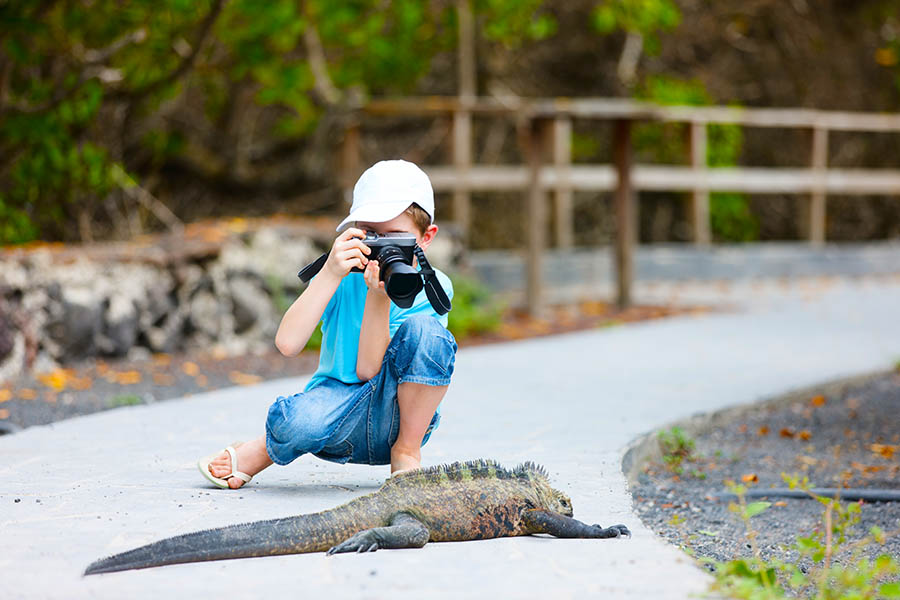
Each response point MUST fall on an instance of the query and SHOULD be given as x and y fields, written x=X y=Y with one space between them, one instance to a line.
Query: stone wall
x=226 y=296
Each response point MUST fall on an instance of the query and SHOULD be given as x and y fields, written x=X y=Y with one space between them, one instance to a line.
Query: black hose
x=868 y=495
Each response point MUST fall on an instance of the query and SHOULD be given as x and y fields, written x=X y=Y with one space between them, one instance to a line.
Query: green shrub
x=676 y=447
x=857 y=577
x=474 y=311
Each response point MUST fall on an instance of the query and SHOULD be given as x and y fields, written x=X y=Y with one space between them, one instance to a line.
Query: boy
x=383 y=370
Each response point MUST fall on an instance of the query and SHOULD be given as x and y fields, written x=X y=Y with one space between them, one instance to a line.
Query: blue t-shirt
x=342 y=321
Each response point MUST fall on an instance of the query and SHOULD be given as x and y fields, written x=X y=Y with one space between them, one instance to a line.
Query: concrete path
x=85 y=488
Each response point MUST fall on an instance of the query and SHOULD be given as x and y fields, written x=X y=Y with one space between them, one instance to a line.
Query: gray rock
x=206 y=313
x=13 y=362
x=75 y=324
x=120 y=326
x=252 y=305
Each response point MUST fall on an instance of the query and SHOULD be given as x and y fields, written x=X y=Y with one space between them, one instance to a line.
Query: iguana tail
x=291 y=535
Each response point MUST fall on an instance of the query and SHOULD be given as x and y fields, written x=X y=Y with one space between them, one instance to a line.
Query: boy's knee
x=418 y=326
x=425 y=332
x=423 y=349
x=287 y=424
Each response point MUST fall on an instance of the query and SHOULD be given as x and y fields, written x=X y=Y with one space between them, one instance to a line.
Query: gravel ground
x=39 y=399
x=839 y=436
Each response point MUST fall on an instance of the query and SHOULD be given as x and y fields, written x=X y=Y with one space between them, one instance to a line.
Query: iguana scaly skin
x=464 y=501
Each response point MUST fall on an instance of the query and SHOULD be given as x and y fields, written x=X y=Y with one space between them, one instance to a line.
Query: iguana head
x=548 y=497
x=562 y=503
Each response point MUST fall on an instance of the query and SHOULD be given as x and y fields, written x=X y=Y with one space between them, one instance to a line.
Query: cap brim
x=377 y=213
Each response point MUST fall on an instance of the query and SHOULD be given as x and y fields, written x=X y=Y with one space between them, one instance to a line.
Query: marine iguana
x=474 y=500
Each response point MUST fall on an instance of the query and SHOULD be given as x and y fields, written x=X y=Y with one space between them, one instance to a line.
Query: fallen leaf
x=239 y=378
x=804 y=435
x=667 y=505
x=818 y=400
x=4 y=413
x=742 y=428
x=808 y=460
x=82 y=383
x=5 y=395
x=866 y=469
x=58 y=379
x=162 y=360
x=764 y=430
x=27 y=394
x=128 y=377
x=201 y=380
x=885 y=450
x=163 y=379
x=786 y=432
x=749 y=478
x=190 y=368
x=781 y=503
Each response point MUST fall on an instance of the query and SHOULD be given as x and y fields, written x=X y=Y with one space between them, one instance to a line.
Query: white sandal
x=222 y=482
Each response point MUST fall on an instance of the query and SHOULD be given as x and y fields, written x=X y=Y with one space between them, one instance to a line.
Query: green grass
x=124 y=400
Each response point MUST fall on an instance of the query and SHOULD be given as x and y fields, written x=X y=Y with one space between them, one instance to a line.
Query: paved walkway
x=81 y=489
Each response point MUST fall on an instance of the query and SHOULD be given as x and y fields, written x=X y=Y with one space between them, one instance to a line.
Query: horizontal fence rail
x=544 y=133
x=602 y=178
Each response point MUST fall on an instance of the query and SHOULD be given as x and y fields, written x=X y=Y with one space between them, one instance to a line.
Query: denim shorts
x=359 y=422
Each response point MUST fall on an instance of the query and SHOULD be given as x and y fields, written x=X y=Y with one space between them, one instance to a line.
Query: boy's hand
x=347 y=252
x=372 y=274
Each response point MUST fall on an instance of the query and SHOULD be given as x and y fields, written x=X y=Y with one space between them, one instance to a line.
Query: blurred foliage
x=474 y=309
x=94 y=93
x=87 y=88
x=514 y=23
x=730 y=216
x=645 y=17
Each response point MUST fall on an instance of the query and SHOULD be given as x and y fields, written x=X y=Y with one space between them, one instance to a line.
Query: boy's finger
x=352 y=232
x=357 y=243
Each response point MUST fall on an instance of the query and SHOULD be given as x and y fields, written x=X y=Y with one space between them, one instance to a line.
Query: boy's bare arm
x=302 y=318
x=375 y=333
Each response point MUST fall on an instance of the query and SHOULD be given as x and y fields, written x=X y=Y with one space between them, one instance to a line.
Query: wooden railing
x=544 y=128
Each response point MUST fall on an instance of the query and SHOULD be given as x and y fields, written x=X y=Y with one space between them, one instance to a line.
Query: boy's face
x=401 y=224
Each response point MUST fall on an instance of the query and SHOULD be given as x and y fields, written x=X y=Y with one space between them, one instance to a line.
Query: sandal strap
x=234 y=467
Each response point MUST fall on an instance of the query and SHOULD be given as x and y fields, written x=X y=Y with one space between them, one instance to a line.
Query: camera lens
x=401 y=281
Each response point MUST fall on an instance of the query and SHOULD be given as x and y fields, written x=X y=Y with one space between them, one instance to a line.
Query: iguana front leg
x=405 y=531
x=561 y=526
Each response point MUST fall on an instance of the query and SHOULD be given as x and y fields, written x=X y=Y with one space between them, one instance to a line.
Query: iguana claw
x=364 y=541
x=617 y=530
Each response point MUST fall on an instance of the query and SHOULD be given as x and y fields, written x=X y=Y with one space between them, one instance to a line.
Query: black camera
x=402 y=281
x=394 y=253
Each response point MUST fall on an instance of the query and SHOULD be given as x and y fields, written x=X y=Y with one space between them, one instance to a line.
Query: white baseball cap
x=386 y=189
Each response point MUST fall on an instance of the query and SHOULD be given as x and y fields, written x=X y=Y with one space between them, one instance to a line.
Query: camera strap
x=310 y=270
x=433 y=289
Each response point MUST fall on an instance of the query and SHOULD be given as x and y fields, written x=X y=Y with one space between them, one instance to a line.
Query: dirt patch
x=840 y=435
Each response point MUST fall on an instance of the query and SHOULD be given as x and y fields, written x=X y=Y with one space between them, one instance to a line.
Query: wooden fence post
x=624 y=203
x=699 y=215
x=562 y=160
x=462 y=119
x=462 y=161
x=533 y=142
x=816 y=225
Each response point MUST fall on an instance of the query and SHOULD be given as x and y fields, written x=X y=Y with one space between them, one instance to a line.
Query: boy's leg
x=295 y=425
x=414 y=377
x=251 y=457
x=417 y=403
